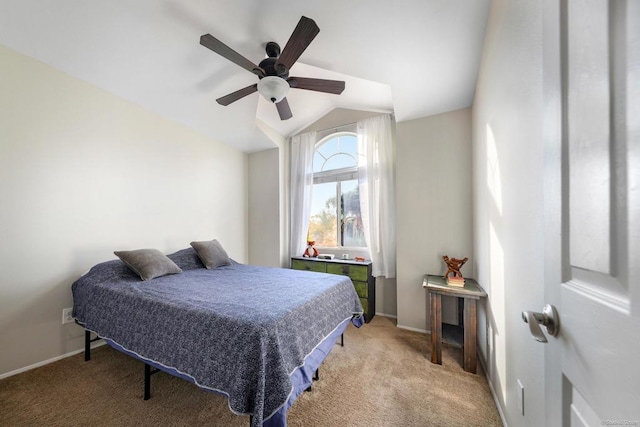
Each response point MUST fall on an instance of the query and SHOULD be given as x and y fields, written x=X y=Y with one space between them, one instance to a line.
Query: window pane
x=318 y=162
x=339 y=161
x=352 y=229
x=331 y=146
x=336 y=152
x=323 y=221
x=349 y=144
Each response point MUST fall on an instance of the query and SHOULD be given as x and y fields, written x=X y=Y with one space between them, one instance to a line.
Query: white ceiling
x=413 y=57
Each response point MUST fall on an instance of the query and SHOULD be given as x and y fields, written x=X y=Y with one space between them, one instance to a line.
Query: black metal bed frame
x=87 y=344
x=150 y=370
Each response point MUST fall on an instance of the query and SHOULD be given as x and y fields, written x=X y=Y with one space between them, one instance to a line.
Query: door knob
x=548 y=318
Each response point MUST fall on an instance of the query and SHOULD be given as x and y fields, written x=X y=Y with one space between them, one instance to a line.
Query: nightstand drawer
x=298 y=264
x=355 y=272
x=361 y=289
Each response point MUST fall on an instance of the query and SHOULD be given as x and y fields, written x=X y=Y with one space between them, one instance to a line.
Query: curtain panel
x=376 y=181
x=301 y=185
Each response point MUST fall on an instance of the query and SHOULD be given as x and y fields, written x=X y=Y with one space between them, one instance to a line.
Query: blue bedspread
x=239 y=330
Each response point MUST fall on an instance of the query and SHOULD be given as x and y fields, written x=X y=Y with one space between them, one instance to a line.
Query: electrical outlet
x=67 y=315
x=520 y=391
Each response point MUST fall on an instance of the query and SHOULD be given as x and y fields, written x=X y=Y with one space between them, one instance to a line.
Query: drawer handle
x=345 y=270
x=306 y=267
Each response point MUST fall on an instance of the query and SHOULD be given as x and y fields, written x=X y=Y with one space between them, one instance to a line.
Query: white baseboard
x=410 y=328
x=392 y=316
x=493 y=392
x=46 y=362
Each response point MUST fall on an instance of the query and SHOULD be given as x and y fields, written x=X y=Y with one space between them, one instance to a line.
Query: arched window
x=335 y=213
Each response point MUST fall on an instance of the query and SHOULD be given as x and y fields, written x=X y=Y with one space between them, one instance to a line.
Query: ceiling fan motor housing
x=270 y=68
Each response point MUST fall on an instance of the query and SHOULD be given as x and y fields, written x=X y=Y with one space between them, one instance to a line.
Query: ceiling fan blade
x=302 y=36
x=234 y=96
x=283 y=109
x=207 y=40
x=320 y=85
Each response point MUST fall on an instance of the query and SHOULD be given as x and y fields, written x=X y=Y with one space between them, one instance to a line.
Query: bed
x=253 y=334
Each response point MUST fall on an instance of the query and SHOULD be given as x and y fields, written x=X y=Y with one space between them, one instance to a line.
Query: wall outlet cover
x=67 y=315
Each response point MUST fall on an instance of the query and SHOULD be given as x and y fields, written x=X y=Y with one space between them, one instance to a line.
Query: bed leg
x=147 y=381
x=148 y=371
x=341 y=340
x=316 y=377
x=87 y=345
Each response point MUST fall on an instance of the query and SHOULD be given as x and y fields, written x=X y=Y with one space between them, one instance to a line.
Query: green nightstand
x=358 y=271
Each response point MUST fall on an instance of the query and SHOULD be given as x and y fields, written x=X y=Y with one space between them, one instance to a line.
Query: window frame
x=337 y=176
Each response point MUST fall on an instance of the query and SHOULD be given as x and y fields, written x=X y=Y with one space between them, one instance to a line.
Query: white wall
x=434 y=208
x=508 y=203
x=84 y=173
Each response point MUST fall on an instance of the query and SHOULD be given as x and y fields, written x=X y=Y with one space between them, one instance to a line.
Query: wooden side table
x=471 y=293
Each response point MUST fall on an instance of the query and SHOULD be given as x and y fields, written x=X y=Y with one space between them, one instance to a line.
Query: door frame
x=554 y=158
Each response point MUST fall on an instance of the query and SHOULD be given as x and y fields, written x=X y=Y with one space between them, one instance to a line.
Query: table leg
x=436 y=328
x=470 y=329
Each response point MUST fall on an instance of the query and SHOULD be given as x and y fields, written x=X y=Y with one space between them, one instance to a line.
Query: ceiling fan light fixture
x=273 y=88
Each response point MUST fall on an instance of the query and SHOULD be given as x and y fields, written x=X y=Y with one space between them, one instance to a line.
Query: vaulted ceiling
x=412 y=57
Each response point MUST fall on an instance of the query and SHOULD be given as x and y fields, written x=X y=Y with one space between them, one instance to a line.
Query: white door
x=592 y=209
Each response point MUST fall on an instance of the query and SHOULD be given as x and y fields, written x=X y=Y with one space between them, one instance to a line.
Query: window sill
x=342 y=248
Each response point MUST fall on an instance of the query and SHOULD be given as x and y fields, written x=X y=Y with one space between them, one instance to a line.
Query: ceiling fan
x=273 y=71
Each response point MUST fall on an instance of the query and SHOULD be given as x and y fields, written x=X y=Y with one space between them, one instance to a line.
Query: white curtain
x=302 y=149
x=376 y=180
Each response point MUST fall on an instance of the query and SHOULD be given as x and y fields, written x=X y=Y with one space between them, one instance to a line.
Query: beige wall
x=264 y=208
x=434 y=207
x=84 y=173
x=508 y=203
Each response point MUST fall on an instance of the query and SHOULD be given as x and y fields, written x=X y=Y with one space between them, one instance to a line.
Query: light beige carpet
x=382 y=377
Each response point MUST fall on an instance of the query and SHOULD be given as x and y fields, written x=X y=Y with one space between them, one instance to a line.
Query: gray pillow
x=211 y=253
x=148 y=263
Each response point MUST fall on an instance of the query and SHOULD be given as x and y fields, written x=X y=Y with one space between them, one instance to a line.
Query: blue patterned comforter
x=239 y=330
